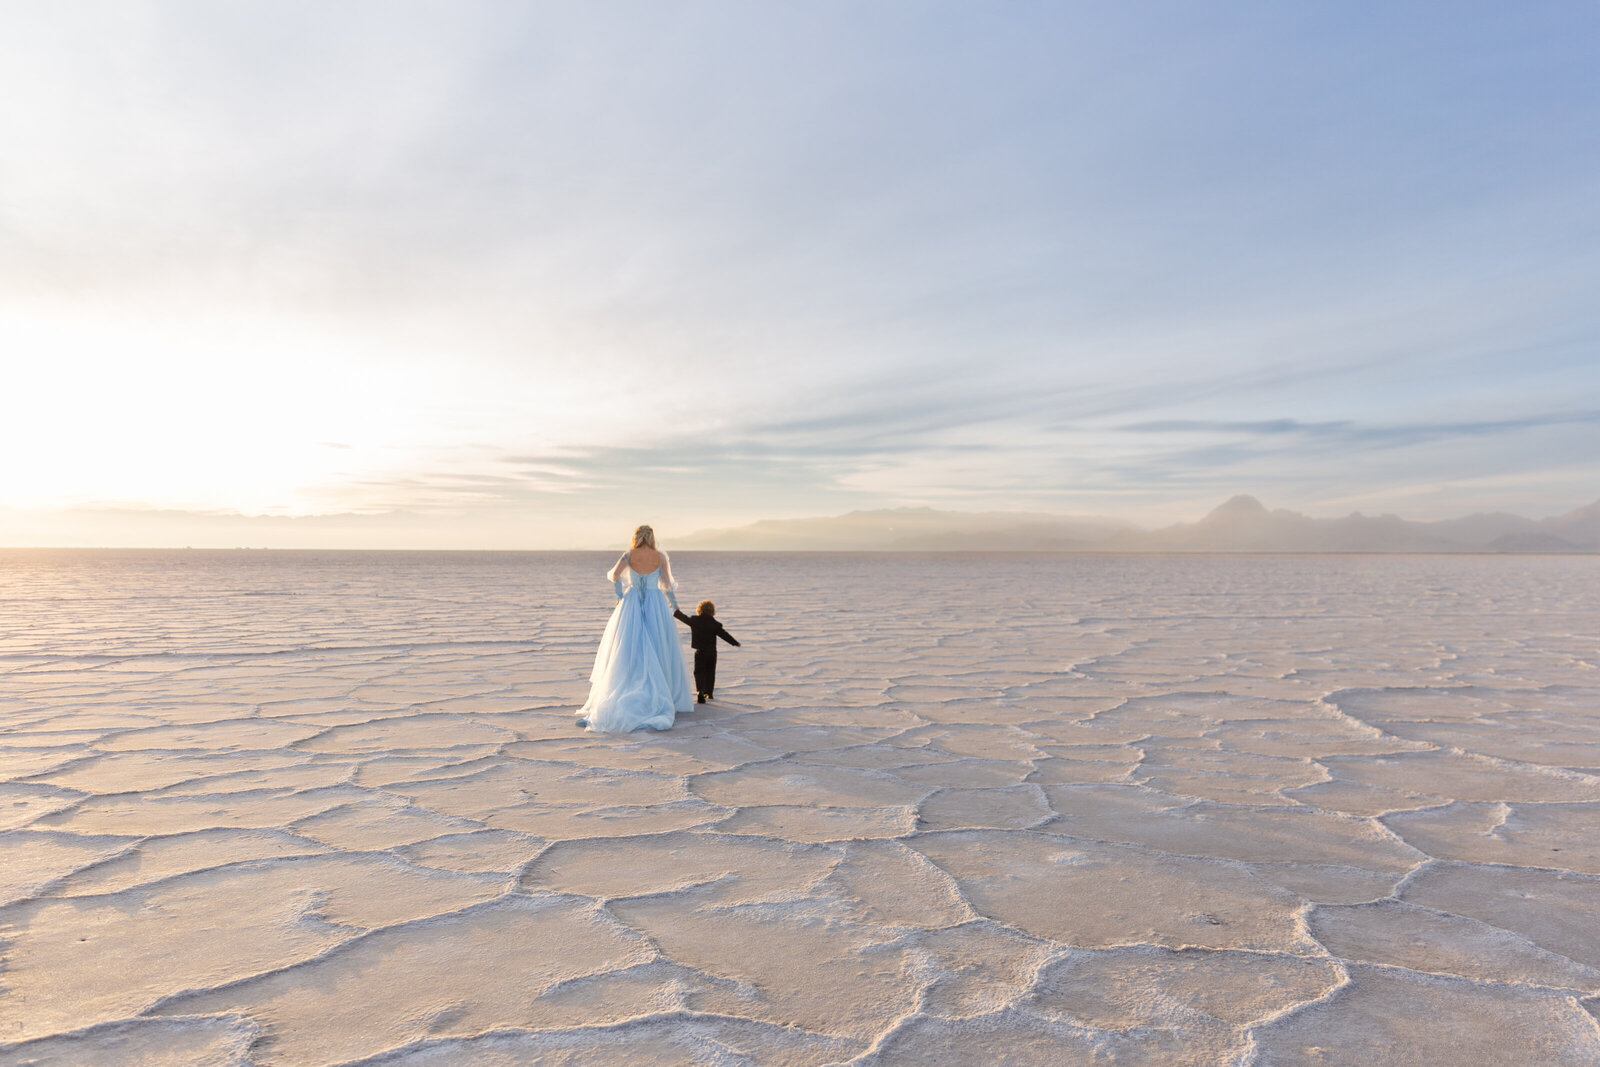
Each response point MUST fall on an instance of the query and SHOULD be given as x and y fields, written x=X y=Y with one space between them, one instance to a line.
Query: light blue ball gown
x=638 y=678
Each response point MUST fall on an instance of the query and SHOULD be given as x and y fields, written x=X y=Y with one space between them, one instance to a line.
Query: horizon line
x=885 y=551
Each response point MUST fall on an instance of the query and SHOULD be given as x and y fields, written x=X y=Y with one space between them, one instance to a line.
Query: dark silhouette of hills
x=1241 y=524
x=917 y=529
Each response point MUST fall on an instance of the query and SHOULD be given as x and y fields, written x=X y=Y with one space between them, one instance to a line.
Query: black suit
x=703 y=633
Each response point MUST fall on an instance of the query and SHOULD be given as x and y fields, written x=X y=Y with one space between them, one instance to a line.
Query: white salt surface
x=297 y=809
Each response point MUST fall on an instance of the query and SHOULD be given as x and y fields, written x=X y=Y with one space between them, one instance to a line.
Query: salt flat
x=297 y=808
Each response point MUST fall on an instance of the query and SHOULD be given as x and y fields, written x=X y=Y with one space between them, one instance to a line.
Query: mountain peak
x=1238 y=507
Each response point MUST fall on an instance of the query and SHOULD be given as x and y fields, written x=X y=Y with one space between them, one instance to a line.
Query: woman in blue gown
x=638 y=679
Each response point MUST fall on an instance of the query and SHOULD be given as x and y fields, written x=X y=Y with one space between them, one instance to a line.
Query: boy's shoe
x=702 y=699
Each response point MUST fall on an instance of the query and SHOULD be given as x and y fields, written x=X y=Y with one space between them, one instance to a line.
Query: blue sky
x=500 y=275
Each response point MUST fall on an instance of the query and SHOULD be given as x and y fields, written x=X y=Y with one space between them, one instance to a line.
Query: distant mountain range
x=1243 y=524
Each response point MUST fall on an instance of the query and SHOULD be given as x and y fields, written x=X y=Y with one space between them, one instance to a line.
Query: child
x=704 y=630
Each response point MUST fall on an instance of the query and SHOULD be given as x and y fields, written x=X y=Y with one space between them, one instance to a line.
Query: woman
x=638 y=678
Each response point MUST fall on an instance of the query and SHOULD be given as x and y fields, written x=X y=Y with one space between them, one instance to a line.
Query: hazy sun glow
x=196 y=412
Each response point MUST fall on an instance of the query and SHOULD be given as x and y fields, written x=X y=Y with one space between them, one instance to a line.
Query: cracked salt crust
x=944 y=809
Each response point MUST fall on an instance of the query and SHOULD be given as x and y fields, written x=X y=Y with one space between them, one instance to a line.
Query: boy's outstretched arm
x=726 y=636
x=680 y=616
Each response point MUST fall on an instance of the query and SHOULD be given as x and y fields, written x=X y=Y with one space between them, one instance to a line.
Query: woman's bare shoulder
x=644 y=560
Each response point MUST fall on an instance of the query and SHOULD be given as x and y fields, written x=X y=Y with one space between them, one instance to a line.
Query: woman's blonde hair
x=644 y=537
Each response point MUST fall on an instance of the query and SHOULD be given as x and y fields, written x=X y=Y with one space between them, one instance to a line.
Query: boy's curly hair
x=705 y=607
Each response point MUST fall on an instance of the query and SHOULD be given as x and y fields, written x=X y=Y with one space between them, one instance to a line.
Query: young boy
x=704 y=630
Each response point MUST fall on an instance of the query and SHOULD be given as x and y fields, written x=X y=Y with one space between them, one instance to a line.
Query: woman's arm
x=664 y=579
x=616 y=573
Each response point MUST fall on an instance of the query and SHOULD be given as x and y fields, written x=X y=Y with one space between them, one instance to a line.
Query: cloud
x=1376 y=435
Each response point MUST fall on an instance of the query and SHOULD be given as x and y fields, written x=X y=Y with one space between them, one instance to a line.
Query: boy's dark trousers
x=705 y=670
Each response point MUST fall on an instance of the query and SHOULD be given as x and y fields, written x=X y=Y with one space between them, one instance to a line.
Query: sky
x=501 y=275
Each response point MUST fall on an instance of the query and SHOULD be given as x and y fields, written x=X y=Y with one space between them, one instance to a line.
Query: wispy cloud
x=1354 y=432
